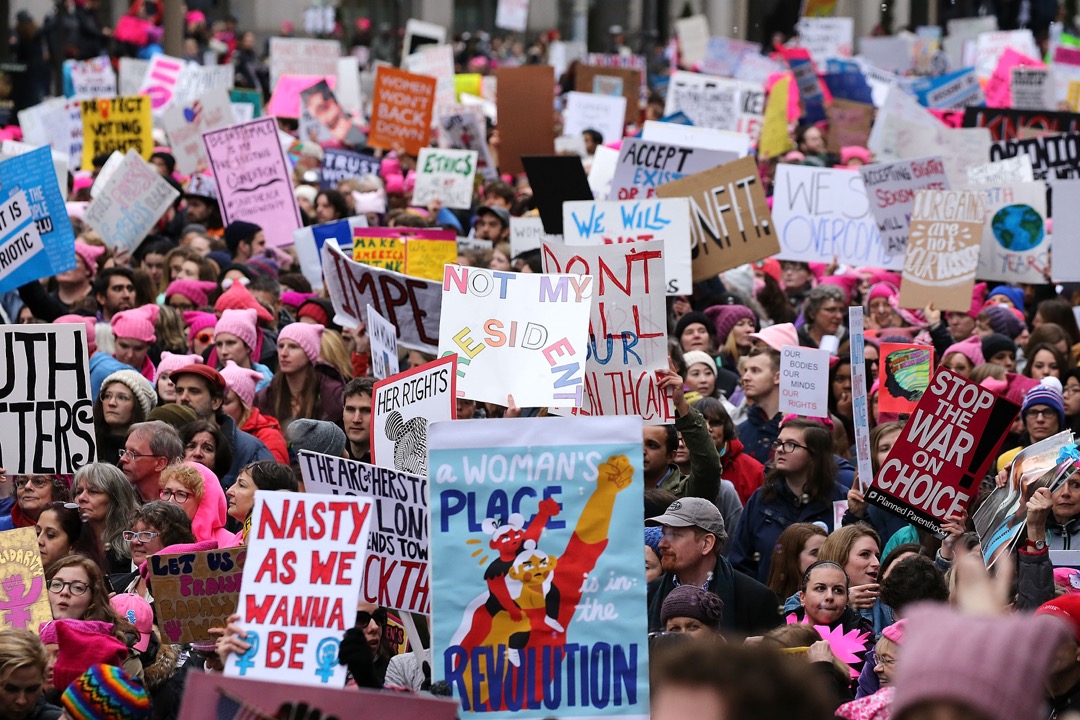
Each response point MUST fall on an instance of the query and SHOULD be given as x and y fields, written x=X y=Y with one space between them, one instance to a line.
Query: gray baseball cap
x=692 y=512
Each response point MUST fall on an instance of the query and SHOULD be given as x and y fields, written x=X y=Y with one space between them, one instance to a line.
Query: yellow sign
x=417 y=253
x=24 y=599
x=387 y=253
x=116 y=123
x=469 y=83
x=426 y=258
x=819 y=8
x=1073 y=97
x=775 y=139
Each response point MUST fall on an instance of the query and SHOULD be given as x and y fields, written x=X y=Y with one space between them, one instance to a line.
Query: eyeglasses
x=178 y=496
x=1070 y=390
x=134 y=455
x=1040 y=412
x=118 y=397
x=144 y=536
x=77 y=588
x=227 y=283
x=205 y=337
x=885 y=661
x=788 y=446
x=364 y=618
x=37 y=482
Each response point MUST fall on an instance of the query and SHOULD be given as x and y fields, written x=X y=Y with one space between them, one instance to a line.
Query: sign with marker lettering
x=23 y=580
x=131 y=203
x=401 y=110
x=644 y=166
x=1015 y=241
x=535 y=568
x=891 y=188
x=446 y=176
x=195 y=591
x=402 y=408
x=395 y=571
x=306 y=557
x=93 y=78
x=517 y=334
x=936 y=465
x=943 y=251
x=46 y=408
x=383 y=336
x=120 y=123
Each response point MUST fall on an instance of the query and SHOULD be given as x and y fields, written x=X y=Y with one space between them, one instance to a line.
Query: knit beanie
x=238 y=297
x=306 y=335
x=994 y=343
x=313 y=310
x=689 y=319
x=105 y=692
x=140 y=387
x=306 y=192
x=653 y=536
x=777 y=336
x=895 y=632
x=691 y=601
x=264 y=266
x=137 y=324
x=970 y=348
x=79 y=646
x=49 y=635
x=241 y=381
x=854 y=152
x=91 y=328
x=174 y=361
x=197 y=291
x=1066 y=607
x=294 y=299
x=1047 y=392
x=880 y=290
x=697 y=357
x=173 y=414
x=975 y=661
x=238 y=232
x=197 y=322
x=240 y=323
x=89 y=254
x=726 y=317
x=1014 y=294
x=317 y=436
x=1004 y=321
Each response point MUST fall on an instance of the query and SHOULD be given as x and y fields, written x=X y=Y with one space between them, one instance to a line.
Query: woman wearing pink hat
x=239 y=400
x=73 y=286
x=163 y=382
x=304 y=386
x=237 y=339
x=197 y=490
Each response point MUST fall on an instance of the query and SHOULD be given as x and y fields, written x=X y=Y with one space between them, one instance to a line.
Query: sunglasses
x=363 y=617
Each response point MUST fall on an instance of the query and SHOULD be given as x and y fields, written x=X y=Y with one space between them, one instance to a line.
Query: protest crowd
x=412 y=374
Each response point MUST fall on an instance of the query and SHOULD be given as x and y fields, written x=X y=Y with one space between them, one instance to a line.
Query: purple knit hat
x=726 y=317
x=690 y=601
x=1004 y=321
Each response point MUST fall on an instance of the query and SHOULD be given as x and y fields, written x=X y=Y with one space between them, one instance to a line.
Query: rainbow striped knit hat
x=105 y=692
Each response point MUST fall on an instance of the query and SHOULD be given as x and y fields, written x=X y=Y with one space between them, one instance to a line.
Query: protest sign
x=611 y=223
x=415 y=252
x=22 y=580
x=462 y=128
x=395 y=571
x=520 y=334
x=1033 y=88
x=447 y=176
x=859 y=385
x=602 y=170
x=402 y=408
x=891 y=188
x=826 y=37
x=723 y=55
x=526 y=96
x=285 y=100
x=253 y=178
x=348 y=90
x=47 y=407
x=1002 y=172
x=302 y=56
x=733 y=144
x=185 y=125
x=627 y=327
x=644 y=166
x=527 y=233
x=998 y=87
x=1008 y=124
x=989 y=46
x=588 y=111
x=247 y=97
x=558 y=500
x=93 y=78
x=849 y=124
x=936 y=465
x=821 y=214
x=512 y=15
x=693 y=35
x=160 y=81
x=943 y=250
x=435 y=61
x=775 y=139
x=34 y=173
x=419 y=33
x=197 y=80
x=195 y=591
x=1051 y=155
x=1015 y=244
x=555 y=180
x=130 y=203
x=305 y=561
x=121 y=123
x=130 y=75
x=904 y=372
x=804 y=381
x=401 y=110
x=384 y=353
x=717 y=103
x=811 y=95
x=413 y=305
x=308 y=242
x=730 y=223
x=894 y=54
x=898 y=108
x=624 y=81
x=1065 y=265
x=323 y=120
x=339 y=164
x=955 y=90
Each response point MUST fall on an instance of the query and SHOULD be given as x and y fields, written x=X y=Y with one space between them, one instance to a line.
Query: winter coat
x=744 y=472
x=267 y=430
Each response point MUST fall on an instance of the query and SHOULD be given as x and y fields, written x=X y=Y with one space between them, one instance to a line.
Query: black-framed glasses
x=178 y=496
x=38 y=482
x=1041 y=412
x=77 y=588
x=143 y=536
x=788 y=446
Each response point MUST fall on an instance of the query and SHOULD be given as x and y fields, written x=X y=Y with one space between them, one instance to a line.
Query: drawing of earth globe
x=1018 y=227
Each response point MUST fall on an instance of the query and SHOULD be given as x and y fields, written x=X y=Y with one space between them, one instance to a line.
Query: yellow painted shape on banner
x=23 y=580
x=775 y=139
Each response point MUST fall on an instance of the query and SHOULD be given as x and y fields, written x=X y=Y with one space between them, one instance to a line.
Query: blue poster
x=538 y=580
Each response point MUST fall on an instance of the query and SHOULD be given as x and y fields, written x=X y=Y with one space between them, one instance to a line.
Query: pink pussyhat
x=91 y=329
x=240 y=323
x=241 y=381
x=137 y=324
x=89 y=254
x=307 y=335
x=173 y=361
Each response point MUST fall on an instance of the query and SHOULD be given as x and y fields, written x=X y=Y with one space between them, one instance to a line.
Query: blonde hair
x=170 y=329
x=837 y=546
x=20 y=649
x=187 y=476
x=332 y=350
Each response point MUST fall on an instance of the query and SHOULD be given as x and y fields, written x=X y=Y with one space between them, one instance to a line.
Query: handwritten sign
x=196 y=591
x=462 y=128
x=121 y=123
x=1002 y=172
x=302 y=56
x=383 y=335
x=26 y=603
x=446 y=176
x=943 y=251
x=644 y=166
x=891 y=188
x=402 y=408
x=589 y=111
x=826 y=37
x=93 y=78
x=804 y=381
x=527 y=233
x=1015 y=244
x=130 y=203
x=185 y=125
x=401 y=113
x=415 y=252
x=159 y=84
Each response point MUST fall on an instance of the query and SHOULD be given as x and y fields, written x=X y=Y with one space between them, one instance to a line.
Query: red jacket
x=744 y=472
x=268 y=430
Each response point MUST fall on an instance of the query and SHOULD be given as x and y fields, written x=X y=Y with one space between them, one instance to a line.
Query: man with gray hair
x=150 y=448
x=690 y=554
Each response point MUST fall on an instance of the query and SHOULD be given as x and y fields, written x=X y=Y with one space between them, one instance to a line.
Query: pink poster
x=253 y=178
x=999 y=87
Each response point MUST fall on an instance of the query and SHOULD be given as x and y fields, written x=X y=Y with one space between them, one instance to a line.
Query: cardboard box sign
x=194 y=592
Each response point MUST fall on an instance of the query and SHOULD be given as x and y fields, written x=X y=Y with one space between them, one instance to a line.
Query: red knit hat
x=238 y=297
x=1066 y=607
x=82 y=645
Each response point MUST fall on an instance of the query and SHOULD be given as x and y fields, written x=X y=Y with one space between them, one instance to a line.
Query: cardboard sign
x=588 y=111
x=93 y=78
x=627 y=328
x=34 y=174
x=413 y=305
x=525 y=101
x=943 y=453
x=517 y=334
x=821 y=214
x=384 y=354
x=730 y=223
x=302 y=56
x=826 y=37
x=445 y=175
x=1002 y=172
x=891 y=188
x=253 y=178
x=402 y=408
x=1015 y=243
x=578 y=489
x=1008 y=124
x=26 y=599
x=308 y=242
x=130 y=203
x=1065 y=265
x=1051 y=155
x=411 y=251
x=339 y=164
x=185 y=125
x=196 y=591
x=462 y=128
x=624 y=81
x=162 y=77
x=644 y=166
x=395 y=571
x=804 y=381
x=903 y=373
x=401 y=110
x=612 y=223
x=556 y=180
x=48 y=410
x=859 y=385
x=849 y=124
x=943 y=250
x=301 y=583
x=121 y=123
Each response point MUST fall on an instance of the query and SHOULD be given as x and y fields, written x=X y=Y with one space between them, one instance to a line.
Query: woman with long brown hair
x=304 y=386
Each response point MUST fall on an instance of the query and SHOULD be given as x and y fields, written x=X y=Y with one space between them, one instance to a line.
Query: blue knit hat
x=1047 y=392
x=1016 y=295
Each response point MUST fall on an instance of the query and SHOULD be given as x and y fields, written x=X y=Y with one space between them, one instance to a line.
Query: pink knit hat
x=198 y=321
x=197 y=291
x=241 y=381
x=81 y=646
x=89 y=254
x=294 y=299
x=91 y=328
x=970 y=348
x=173 y=361
x=240 y=323
x=137 y=324
x=395 y=185
x=238 y=297
x=854 y=152
x=306 y=335
x=776 y=336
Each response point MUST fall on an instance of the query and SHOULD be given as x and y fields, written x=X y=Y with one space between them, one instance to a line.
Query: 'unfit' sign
x=935 y=467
